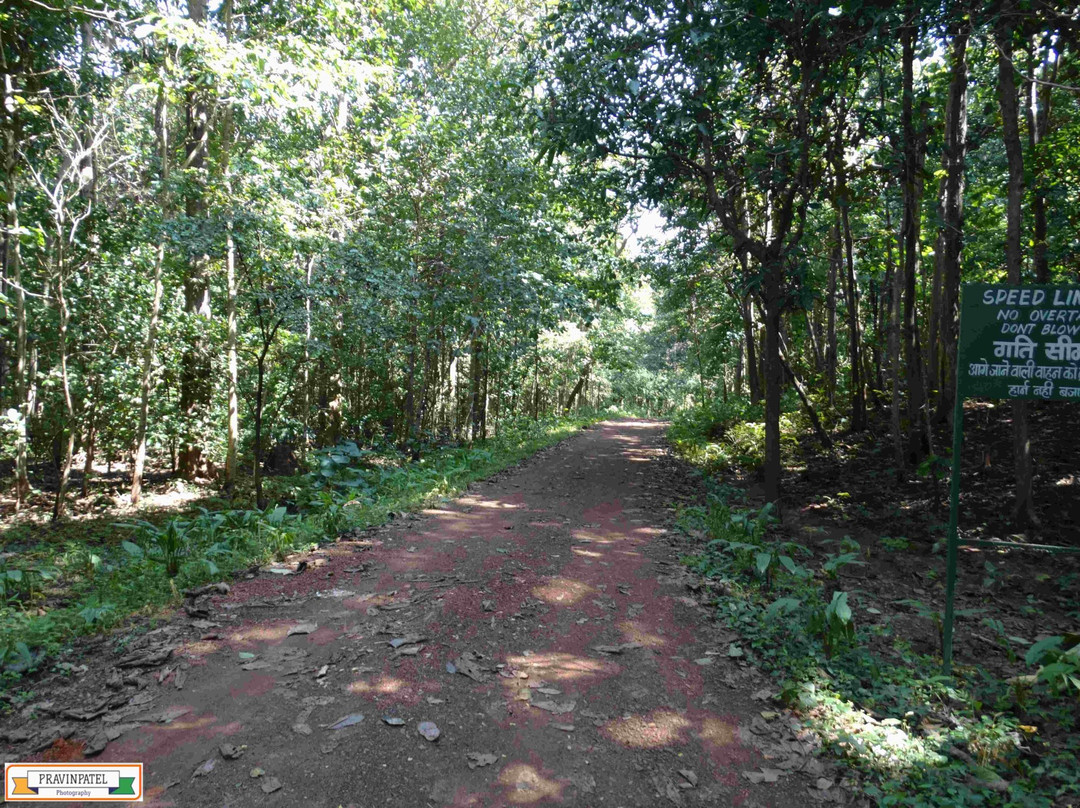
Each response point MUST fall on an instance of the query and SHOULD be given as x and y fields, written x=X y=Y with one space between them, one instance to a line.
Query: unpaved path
x=525 y=576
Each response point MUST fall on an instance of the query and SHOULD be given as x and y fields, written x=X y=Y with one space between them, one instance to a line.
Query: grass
x=58 y=590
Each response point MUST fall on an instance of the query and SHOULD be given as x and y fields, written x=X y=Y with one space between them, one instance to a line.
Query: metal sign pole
x=953 y=538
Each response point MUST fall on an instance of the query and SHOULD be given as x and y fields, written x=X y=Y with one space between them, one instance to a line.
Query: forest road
x=541 y=621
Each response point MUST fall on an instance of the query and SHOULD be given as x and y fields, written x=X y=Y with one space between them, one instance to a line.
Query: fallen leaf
x=468 y=664
x=558 y=708
x=171 y=714
x=690 y=776
x=393 y=721
x=96 y=745
x=763 y=776
x=347 y=721
x=617 y=649
x=301 y=628
x=205 y=768
x=255 y=773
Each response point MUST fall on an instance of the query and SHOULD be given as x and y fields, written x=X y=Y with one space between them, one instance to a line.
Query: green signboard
x=1019 y=342
x=1016 y=342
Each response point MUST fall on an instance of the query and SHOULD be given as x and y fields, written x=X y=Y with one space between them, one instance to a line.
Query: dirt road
x=541 y=622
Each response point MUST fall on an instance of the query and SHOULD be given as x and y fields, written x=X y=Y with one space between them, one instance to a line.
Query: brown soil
x=529 y=572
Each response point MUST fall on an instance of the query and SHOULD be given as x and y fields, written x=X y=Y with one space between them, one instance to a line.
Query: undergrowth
x=729 y=434
x=53 y=594
x=918 y=738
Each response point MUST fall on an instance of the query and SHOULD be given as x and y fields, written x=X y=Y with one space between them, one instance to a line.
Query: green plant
x=834 y=624
x=1059 y=663
x=895 y=544
x=167 y=545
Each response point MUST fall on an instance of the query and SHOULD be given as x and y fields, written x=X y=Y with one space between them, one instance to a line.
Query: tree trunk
x=476 y=383
x=13 y=278
x=1037 y=108
x=232 y=439
x=1024 y=507
x=951 y=238
x=195 y=385
x=912 y=185
x=851 y=291
x=572 y=398
x=893 y=315
x=772 y=292
x=89 y=443
x=831 y=349
x=65 y=381
x=161 y=128
x=752 y=377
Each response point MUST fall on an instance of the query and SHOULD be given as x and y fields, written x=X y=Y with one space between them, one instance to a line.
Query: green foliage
x=725 y=434
x=1059 y=664
x=795 y=623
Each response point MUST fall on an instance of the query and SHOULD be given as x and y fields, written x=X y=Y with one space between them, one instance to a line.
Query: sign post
x=1016 y=342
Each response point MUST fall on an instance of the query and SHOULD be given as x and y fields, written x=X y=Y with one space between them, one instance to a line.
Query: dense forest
x=237 y=228
x=271 y=272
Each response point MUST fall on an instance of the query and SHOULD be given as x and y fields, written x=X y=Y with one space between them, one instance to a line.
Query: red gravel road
x=530 y=572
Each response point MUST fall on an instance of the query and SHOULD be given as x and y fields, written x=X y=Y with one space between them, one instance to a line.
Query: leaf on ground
x=479 y=759
x=96 y=745
x=171 y=714
x=558 y=708
x=347 y=721
x=393 y=721
x=205 y=768
x=468 y=664
x=302 y=628
x=764 y=776
x=408 y=639
x=617 y=649
x=256 y=773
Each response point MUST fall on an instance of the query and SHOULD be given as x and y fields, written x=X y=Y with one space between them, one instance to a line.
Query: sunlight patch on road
x=718 y=732
x=634 y=632
x=383 y=686
x=651 y=731
x=251 y=635
x=527 y=785
x=562 y=591
x=563 y=667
